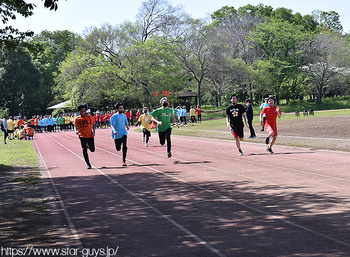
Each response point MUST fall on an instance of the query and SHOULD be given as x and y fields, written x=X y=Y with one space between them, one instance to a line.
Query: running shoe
x=89 y=166
x=269 y=150
x=267 y=140
x=123 y=163
x=169 y=155
x=146 y=144
x=251 y=137
x=240 y=152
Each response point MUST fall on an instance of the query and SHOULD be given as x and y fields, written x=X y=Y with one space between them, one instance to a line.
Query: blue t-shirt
x=54 y=121
x=119 y=121
x=183 y=112
x=49 y=122
x=179 y=111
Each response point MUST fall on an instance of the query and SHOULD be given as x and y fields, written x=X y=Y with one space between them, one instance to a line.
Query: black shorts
x=10 y=131
x=88 y=143
x=238 y=130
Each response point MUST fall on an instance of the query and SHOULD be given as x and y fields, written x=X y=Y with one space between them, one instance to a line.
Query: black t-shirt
x=235 y=114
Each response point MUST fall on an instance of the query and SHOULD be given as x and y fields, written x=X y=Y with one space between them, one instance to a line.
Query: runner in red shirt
x=272 y=112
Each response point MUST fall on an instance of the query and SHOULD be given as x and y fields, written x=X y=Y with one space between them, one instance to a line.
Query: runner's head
x=271 y=101
x=247 y=101
x=82 y=109
x=233 y=99
x=119 y=107
x=164 y=102
x=145 y=109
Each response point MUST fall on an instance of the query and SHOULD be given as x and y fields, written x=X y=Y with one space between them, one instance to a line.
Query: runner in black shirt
x=234 y=120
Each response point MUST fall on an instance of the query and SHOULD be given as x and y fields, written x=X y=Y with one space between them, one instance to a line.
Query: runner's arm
x=174 y=120
x=279 y=114
x=156 y=121
x=261 y=119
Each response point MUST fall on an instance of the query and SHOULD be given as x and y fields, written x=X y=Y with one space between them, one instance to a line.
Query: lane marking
x=268 y=215
x=230 y=158
x=198 y=239
x=65 y=211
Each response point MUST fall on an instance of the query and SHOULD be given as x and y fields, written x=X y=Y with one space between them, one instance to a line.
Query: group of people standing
x=183 y=111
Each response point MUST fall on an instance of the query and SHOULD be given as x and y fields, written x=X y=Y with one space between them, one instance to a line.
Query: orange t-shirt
x=84 y=125
x=20 y=123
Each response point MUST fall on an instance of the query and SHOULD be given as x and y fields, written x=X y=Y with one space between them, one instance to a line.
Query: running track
x=205 y=201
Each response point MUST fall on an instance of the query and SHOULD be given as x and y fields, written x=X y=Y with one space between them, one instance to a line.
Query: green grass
x=17 y=153
x=19 y=156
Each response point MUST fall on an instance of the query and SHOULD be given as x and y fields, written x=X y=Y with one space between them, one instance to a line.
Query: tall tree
x=328 y=61
x=19 y=81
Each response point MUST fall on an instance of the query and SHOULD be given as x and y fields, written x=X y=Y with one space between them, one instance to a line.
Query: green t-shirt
x=60 y=120
x=163 y=115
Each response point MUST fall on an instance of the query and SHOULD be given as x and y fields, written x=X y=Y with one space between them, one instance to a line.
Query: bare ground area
x=331 y=133
x=28 y=212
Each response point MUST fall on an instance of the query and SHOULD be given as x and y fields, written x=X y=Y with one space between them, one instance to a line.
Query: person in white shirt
x=5 y=128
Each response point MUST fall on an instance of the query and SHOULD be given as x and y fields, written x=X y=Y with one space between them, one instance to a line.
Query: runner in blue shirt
x=119 y=124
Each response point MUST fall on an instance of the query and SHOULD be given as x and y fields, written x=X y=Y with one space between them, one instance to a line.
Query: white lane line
x=268 y=215
x=199 y=240
x=274 y=166
x=66 y=214
x=260 y=134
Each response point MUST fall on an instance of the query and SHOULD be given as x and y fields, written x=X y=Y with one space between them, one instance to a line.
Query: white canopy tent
x=62 y=105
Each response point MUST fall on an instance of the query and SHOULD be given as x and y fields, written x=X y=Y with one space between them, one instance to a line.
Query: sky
x=77 y=15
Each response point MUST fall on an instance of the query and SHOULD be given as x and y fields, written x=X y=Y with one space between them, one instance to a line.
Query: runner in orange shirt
x=272 y=112
x=85 y=129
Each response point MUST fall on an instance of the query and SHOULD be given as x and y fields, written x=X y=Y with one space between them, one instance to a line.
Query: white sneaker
x=124 y=163
x=146 y=144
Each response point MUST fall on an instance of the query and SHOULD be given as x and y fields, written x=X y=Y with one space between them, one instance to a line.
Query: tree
x=328 y=62
x=11 y=37
x=283 y=45
x=19 y=81
x=193 y=53
x=56 y=46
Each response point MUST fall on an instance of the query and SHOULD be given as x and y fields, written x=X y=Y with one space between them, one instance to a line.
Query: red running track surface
x=205 y=201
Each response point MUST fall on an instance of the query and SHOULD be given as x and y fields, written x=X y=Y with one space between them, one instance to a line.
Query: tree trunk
x=199 y=93
x=320 y=94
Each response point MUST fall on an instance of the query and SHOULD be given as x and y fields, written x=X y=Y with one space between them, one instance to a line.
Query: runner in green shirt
x=164 y=115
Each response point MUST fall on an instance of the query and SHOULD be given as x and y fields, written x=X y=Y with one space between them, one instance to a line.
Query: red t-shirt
x=101 y=118
x=271 y=115
x=199 y=111
x=96 y=117
x=127 y=114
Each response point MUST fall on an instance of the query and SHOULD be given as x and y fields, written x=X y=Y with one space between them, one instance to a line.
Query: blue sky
x=77 y=15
